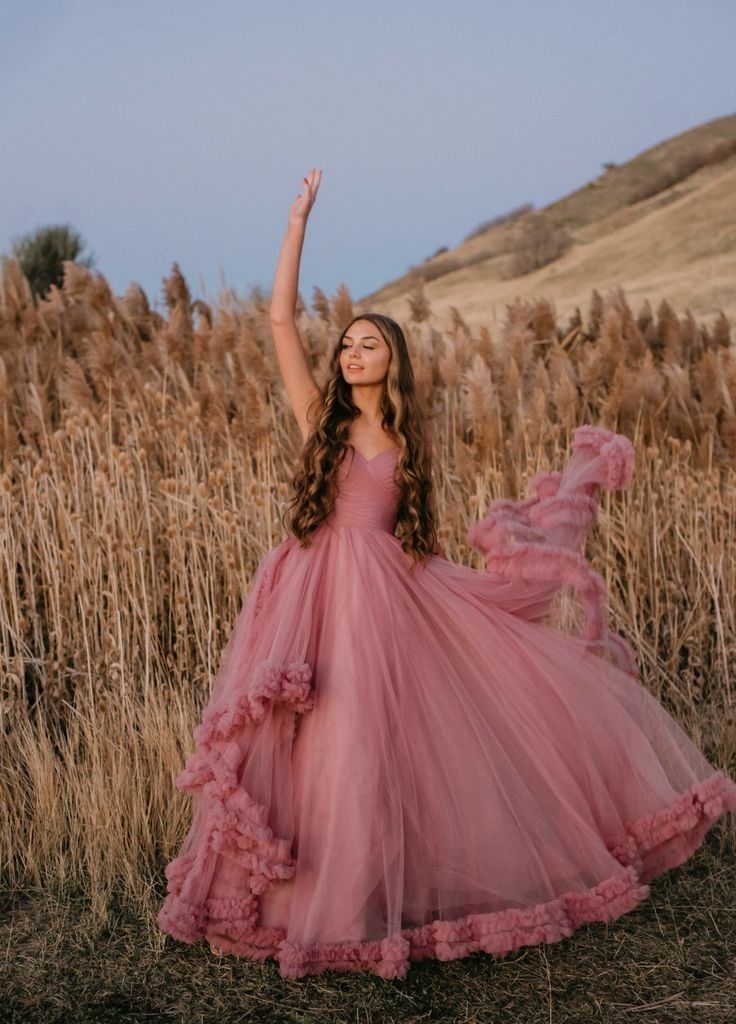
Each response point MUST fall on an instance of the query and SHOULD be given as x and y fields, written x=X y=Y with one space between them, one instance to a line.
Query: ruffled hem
x=237 y=824
x=290 y=685
x=651 y=845
x=535 y=539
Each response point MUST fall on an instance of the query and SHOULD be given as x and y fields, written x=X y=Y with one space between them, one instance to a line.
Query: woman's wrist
x=297 y=225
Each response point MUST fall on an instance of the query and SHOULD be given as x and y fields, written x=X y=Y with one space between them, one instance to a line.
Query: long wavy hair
x=315 y=481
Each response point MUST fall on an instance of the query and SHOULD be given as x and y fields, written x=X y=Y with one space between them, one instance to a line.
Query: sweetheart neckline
x=376 y=456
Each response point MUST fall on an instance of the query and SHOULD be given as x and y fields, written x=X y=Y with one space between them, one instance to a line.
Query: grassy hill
x=661 y=226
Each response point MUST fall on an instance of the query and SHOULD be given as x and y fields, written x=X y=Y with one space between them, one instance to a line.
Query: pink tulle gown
x=394 y=767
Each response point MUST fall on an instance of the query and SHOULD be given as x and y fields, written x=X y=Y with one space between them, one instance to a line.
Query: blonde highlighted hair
x=315 y=480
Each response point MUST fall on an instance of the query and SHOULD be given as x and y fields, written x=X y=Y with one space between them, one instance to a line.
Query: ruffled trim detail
x=671 y=835
x=496 y=933
x=649 y=847
x=616 y=454
x=536 y=539
x=215 y=916
x=290 y=685
x=237 y=824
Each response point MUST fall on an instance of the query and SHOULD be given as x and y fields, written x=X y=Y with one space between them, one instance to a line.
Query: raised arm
x=299 y=382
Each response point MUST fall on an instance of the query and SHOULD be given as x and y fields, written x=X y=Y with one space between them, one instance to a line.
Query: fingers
x=313 y=180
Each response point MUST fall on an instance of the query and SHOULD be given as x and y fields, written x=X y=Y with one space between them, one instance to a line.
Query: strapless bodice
x=367 y=493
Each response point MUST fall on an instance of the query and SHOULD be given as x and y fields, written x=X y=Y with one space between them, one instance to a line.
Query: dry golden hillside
x=660 y=226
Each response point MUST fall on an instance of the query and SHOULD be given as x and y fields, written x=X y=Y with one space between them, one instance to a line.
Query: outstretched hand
x=304 y=202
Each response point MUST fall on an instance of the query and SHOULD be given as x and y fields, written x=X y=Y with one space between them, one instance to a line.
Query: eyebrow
x=366 y=337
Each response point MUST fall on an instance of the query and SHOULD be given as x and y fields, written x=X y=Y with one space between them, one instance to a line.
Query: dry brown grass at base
x=669 y=961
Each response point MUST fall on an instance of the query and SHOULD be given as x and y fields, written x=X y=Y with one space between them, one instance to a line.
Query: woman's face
x=365 y=355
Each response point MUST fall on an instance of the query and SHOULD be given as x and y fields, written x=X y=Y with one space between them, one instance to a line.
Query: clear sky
x=178 y=130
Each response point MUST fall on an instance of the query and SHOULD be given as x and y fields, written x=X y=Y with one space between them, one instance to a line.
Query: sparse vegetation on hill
x=661 y=225
x=683 y=165
x=540 y=244
x=502 y=218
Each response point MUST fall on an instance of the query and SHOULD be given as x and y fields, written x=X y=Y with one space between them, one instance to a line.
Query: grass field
x=144 y=459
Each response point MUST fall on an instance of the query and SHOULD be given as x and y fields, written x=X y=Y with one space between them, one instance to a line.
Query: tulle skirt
x=398 y=766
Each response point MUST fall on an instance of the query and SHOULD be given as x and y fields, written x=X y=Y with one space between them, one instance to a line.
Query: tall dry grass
x=144 y=458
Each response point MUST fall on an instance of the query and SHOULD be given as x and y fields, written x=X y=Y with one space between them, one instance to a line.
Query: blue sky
x=166 y=131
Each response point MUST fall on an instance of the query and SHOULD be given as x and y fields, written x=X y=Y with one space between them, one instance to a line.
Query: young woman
x=401 y=758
